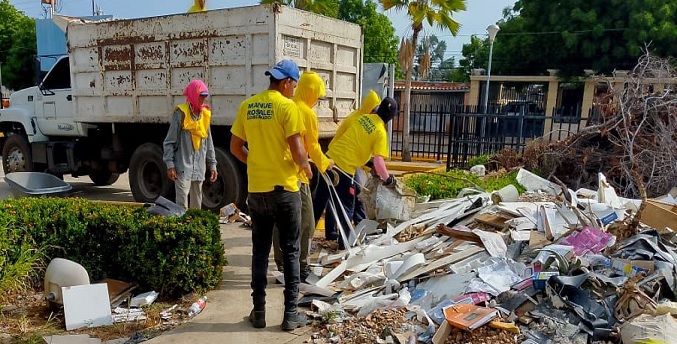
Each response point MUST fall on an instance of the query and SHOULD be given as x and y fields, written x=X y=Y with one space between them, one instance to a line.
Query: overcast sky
x=480 y=14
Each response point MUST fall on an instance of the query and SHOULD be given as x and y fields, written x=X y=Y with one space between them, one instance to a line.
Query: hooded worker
x=363 y=139
x=198 y=6
x=309 y=90
x=188 y=146
x=369 y=104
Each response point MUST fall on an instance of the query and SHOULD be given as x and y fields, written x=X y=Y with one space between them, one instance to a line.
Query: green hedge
x=171 y=255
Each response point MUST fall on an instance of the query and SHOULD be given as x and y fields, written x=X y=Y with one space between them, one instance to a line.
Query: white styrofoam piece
x=411 y=263
x=86 y=306
x=532 y=182
x=392 y=266
x=376 y=253
x=444 y=261
x=606 y=193
x=513 y=208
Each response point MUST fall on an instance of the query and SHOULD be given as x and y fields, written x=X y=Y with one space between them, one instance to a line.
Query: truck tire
x=16 y=155
x=230 y=185
x=148 y=174
x=103 y=178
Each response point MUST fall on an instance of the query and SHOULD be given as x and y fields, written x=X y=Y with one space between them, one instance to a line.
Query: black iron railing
x=456 y=134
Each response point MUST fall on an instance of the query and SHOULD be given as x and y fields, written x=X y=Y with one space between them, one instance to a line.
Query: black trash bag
x=596 y=317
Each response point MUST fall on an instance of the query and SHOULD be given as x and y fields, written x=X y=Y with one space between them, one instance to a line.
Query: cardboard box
x=442 y=333
x=541 y=278
x=660 y=215
x=625 y=267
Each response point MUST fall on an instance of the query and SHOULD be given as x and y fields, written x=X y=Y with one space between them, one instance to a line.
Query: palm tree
x=430 y=50
x=435 y=13
x=328 y=8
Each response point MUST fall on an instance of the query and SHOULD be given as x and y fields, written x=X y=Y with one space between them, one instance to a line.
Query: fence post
x=440 y=131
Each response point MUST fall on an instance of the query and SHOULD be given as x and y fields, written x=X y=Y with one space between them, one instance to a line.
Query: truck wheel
x=148 y=174
x=229 y=187
x=103 y=178
x=16 y=155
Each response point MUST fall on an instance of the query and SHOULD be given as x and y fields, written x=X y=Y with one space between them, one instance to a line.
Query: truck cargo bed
x=135 y=70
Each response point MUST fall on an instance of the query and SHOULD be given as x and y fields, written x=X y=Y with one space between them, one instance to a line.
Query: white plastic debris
x=144 y=299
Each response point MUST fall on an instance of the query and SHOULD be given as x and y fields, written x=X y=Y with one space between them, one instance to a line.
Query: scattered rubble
x=552 y=265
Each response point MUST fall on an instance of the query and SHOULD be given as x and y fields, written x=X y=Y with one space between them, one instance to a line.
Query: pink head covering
x=193 y=91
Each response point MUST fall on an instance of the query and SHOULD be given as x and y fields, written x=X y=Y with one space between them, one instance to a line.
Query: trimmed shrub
x=172 y=255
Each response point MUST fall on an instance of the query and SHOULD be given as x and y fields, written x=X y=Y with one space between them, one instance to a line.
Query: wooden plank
x=494 y=220
x=118 y=289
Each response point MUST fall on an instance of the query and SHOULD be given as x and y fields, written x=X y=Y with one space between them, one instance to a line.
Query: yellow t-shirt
x=362 y=139
x=265 y=121
x=369 y=102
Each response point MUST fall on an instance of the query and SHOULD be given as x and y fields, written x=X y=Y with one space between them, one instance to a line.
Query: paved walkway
x=224 y=320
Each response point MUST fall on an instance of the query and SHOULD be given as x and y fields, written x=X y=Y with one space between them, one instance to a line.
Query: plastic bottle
x=197 y=307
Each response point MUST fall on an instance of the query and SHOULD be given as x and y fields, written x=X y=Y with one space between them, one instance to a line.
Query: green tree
x=17 y=47
x=328 y=8
x=380 y=42
x=571 y=36
x=435 y=50
x=475 y=55
x=444 y=72
x=436 y=13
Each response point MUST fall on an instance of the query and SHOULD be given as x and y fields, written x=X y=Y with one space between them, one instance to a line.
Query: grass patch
x=449 y=184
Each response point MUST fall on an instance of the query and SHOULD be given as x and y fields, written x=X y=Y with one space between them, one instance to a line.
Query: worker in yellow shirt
x=270 y=123
x=369 y=105
x=198 y=6
x=363 y=139
x=309 y=90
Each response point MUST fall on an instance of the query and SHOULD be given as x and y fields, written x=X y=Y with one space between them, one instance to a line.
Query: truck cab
x=38 y=131
x=50 y=104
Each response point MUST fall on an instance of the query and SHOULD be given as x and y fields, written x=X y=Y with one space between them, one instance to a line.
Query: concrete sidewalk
x=224 y=320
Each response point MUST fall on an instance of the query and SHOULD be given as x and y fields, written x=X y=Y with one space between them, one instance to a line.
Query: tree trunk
x=406 y=139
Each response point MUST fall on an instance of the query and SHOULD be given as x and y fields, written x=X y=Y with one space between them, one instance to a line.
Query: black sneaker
x=293 y=321
x=258 y=318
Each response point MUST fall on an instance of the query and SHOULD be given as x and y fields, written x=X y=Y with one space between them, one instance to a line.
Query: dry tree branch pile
x=635 y=143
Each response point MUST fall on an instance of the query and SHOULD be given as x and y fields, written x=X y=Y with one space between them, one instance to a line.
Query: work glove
x=391 y=182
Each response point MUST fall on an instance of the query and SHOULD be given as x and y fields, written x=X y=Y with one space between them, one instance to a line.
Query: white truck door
x=56 y=117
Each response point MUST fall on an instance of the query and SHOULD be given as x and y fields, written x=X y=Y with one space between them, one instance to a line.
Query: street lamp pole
x=492 y=30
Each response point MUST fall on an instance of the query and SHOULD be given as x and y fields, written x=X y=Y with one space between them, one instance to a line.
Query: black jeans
x=282 y=209
x=346 y=193
x=360 y=212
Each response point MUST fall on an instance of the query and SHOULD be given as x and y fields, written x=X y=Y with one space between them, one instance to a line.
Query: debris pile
x=552 y=265
x=634 y=140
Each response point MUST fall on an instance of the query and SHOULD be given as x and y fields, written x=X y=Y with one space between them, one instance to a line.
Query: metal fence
x=456 y=134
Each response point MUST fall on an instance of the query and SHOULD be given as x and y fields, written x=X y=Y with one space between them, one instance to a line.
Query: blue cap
x=285 y=69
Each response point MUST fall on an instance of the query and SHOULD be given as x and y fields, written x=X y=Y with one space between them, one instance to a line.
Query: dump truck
x=104 y=109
